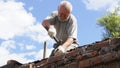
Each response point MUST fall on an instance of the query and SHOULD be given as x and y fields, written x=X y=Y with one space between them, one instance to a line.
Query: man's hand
x=52 y=31
x=60 y=50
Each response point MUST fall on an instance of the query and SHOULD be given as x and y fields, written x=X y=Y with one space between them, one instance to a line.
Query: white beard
x=64 y=19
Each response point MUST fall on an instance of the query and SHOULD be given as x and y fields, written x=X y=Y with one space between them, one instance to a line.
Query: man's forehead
x=63 y=8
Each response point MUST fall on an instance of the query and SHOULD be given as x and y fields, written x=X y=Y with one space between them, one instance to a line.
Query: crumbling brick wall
x=101 y=54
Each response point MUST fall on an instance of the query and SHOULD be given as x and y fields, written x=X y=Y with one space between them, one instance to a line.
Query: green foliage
x=111 y=24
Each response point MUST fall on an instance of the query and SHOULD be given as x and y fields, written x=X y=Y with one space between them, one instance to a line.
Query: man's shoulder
x=73 y=18
x=54 y=13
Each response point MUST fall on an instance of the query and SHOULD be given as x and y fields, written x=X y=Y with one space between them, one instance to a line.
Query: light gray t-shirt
x=65 y=29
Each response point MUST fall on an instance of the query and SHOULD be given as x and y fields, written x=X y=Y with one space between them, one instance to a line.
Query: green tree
x=111 y=24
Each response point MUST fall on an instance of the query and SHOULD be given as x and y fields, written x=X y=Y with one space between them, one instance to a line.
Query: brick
x=74 y=65
x=84 y=63
x=96 y=60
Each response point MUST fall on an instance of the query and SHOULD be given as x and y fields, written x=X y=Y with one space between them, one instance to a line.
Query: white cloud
x=18 y=57
x=31 y=8
x=21 y=57
x=6 y=54
x=99 y=4
x=3 y=51
x=22 y=46
x=30 y=47
x=113 y=7
x=38 y=33
x=9 y=44
x=14 y=19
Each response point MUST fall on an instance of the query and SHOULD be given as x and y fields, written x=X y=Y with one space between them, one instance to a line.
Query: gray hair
x=67 y=5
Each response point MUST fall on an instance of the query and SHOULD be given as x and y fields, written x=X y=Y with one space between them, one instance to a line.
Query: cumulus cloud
x=3 y=51
x=15 y=21
x=31 y=8
x=7 y=54
x=99 y=4
x=30 y=47
x=113 y=6
x=38 y=33
x=19 y=57
x=9 y=44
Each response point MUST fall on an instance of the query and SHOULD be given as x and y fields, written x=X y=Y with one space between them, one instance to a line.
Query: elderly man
x=62 y=25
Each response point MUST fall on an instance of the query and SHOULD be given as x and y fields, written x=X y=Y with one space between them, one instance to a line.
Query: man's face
x=63 y=13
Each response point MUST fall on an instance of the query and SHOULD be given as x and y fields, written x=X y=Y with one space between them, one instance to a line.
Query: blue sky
x=22 y=36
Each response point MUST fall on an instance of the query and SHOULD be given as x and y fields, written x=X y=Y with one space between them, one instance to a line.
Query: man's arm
x=46 y=24
x=50 y=28
x=68 y=42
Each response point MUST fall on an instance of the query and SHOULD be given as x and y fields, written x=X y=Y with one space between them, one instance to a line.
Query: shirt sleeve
x=72 y=31
x=51 y=17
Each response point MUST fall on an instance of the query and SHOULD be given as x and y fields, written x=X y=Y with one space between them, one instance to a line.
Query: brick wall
x=101 y=54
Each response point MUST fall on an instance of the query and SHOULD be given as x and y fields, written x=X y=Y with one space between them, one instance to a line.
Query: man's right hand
x=52 y=31
x=60 y=50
